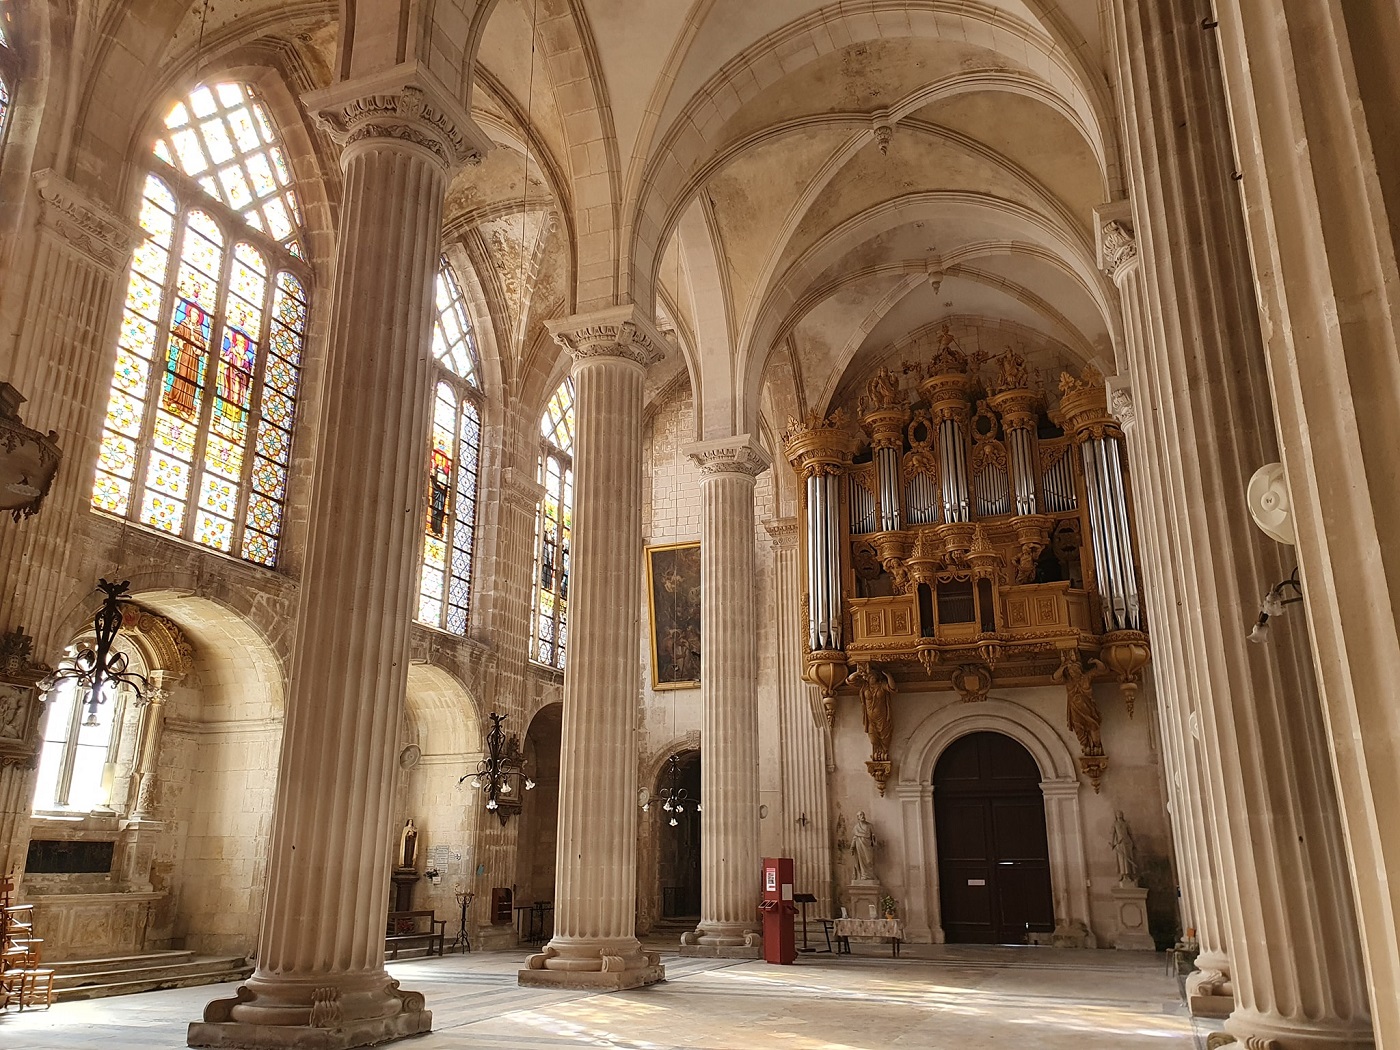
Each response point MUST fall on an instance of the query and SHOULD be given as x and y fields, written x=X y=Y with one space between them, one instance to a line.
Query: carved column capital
x=405 y=104
x=1116 y=240
x=83 y=223
x=733 y=455
x=782 y=533
x=521 y=488
x=1120 y=403
x=619 y=331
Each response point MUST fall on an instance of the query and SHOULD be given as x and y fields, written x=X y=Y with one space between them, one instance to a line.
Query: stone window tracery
x=445 y=576
x=549 y=616
x=198 y=432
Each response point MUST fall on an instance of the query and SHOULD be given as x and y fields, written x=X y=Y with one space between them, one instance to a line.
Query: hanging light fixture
x=95 y=667
x=504 y=760
x=673 y=797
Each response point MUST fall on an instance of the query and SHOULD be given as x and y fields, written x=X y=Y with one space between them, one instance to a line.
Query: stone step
x=117 y=962
x=147 y=973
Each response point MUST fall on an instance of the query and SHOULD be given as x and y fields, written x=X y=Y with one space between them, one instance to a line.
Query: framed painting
x=673 y=601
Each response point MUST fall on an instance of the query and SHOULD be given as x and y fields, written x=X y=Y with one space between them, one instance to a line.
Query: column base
x=719 y=940
x=1250 y=1030
x=1208 y=990
x=609 y=966
x=369 y=1032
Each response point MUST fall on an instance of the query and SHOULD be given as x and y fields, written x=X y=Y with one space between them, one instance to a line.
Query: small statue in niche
x=408 y=845
x=1124 y=851
x=1065 y=543
x=863 y=849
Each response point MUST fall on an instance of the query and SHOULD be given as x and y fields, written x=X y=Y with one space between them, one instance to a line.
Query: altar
x=891 y=930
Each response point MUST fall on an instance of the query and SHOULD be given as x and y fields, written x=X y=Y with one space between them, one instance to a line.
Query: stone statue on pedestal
x=863 y=849
x=1124 y=851
x=408 y=845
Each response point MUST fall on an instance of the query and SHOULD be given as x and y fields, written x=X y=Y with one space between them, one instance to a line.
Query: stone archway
x=539 y=812
x=1063 y=817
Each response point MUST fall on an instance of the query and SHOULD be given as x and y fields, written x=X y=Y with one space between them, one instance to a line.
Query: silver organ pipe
x=1022 y=470
x=952 y=461
x=814 y=577
x=1058 y=485
x=862 y=509
x=1108 y=519
x=993 y=490
x=833 y=561
x=922 y=499
x=887 y=471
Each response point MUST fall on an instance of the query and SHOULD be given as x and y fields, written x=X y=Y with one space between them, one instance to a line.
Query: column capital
x=405 y=103
x=521 y=488
x=85 y=224
x=1116 y=240
x=732 y=455
x=782 y=532
x=618 y=331
x=1120 y=401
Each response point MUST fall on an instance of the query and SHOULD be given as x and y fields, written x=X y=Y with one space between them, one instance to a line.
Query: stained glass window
x=198 y=431
x=453 y=345
x=549 y=635
x=444 y=585
x=8 y=67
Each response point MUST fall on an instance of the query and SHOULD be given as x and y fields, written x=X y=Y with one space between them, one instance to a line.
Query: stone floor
x=967 y=998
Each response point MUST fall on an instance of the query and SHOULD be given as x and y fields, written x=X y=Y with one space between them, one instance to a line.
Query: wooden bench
x=414 y=929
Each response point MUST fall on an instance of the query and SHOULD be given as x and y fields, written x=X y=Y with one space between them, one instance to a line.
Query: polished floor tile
x=966 y=998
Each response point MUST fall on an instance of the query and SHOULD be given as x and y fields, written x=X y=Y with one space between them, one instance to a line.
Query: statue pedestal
x=1130 y=911
x=403 y=880
x=864 y=895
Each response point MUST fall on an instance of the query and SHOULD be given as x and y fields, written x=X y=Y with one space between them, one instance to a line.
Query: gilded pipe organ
x=963 y=534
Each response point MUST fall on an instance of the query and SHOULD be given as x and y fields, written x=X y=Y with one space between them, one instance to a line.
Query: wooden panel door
x=993 y=854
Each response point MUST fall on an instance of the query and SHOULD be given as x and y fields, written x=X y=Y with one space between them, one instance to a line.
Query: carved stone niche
x=20 y=702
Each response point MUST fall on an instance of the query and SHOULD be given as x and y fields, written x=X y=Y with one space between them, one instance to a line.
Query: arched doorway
x=993 y=852
x=539 y=809
x=678 y=850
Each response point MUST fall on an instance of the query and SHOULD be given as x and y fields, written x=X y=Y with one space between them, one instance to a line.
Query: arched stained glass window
x=197 y=439
x=9 y=70
x=445 y=581
x=549 y=631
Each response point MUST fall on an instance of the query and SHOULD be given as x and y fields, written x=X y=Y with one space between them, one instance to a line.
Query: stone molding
x=86 y=225
x=733 y=455
x=619 y=331
x=521 y=489
x=406 y=103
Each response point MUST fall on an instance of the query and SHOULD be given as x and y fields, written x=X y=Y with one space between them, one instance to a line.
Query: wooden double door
x=993 y=854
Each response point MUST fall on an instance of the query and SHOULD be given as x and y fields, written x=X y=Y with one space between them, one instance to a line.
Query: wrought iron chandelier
x=674 y=797
x=504 y=761
x=93 y=668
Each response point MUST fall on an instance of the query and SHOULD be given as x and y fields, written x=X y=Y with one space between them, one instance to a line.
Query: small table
x=891 y=930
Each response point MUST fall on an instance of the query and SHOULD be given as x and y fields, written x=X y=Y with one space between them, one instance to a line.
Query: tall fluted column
x=1297 y=969
x=806 y=827
x=321 y=947
x=1311 y=90
x=595 y=894
x=1209 y=986
x=729 y=853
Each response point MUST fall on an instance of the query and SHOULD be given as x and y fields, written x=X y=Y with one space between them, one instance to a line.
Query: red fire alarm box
x=778 y=910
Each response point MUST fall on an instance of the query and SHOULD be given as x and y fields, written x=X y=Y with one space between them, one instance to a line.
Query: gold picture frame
x=673 y=607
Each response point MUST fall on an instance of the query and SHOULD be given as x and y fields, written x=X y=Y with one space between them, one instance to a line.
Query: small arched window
x=549 y=631
x=76 y=751
x=197 y=438
x=454 y=453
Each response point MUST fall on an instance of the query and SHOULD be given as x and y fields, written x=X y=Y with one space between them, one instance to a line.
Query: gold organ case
x=954 y=531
